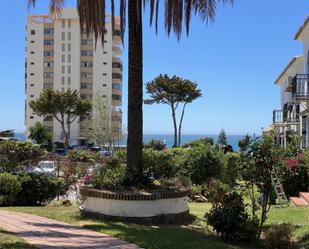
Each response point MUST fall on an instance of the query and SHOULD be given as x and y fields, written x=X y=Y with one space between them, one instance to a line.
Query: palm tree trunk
x=175 y=125
x=180 y=123
x=135 y=86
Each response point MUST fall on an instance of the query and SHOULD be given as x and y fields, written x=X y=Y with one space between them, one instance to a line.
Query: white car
x=46 y=167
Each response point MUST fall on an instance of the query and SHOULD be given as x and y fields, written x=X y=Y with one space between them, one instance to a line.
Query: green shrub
x=155 y=144
x=39 y=188
x=9 y=189
x=121 y=155
x=203 y=163
x=228 y=218
x=111 y=176
x=280 y=237
x=202 y=141
x=230 y=171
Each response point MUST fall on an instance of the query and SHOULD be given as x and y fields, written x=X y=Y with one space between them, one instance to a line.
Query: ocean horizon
x=168 y=139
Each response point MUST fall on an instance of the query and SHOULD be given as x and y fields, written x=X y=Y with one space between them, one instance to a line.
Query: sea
x=168 y=139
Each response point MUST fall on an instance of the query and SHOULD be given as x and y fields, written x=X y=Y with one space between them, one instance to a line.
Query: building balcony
x=300 y=87
x=289 y=114
x=277 y=117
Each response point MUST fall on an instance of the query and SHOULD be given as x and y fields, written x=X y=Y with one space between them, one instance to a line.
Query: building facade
x=59 y=55
x=293 y=116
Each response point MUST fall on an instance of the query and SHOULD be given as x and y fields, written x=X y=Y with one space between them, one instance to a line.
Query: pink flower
x=292 y=163
x=88 y=178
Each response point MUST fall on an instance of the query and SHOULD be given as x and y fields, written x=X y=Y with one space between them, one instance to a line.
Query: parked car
x=105 y=153
x=46 y=167
x=60 y=152
x=95 y=149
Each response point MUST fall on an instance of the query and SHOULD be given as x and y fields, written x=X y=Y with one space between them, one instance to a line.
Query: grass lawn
x=193 y=236
x=10 y=241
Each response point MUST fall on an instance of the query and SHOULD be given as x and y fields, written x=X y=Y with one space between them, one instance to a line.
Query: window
x=48 y=85
x=31 y=63
x=69 y=58
x=117 y=32
x=117 y=65
x=69 y=36
x=86 y=53
x=104 y=63
x=32 y=52
x=116 y=76
x=86 y=75
x=116 y=86
x=63 y=58
x=69 y=69
x=32 y=32
x=63 y=69
x=104 y=85
x=48 y=31
x=31 y=74
x=31 y=84
x=69 y=23
x=31 y=96
x=48 y=75
x=86 y=86
x=104 y=74
x=69 y=80
x=63 y=36
x=48 y=42
x=104 y=96
x=86 y=64
x=69 y=47
x=48 y=64
x=104 y=52
x=87 y=42
x=62 y=80
x=63 y=23
x=48 y=53
x=63 y=47
x=31 y=117
x=32 y=41
x=116 y=97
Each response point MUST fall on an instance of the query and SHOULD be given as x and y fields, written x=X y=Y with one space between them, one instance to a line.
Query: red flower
x=292 y=163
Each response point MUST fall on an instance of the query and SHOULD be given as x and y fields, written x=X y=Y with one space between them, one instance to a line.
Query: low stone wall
x=146 y=208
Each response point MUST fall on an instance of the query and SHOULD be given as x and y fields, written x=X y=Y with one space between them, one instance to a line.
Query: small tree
x=105 y=126
x=222 y=138
x=173 y=91
x=244 y=143
x=41 y=135
x=65 y=107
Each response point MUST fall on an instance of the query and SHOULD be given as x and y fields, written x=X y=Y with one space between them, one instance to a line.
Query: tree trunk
x=180 y=123
x=175 y=125
x=62 y=122
x=68 y=133
x=135 y=87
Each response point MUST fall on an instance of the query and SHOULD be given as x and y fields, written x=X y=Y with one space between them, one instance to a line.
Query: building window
x=69 y=47
x=32 y=52
x=31 y=63
x=116 y=97
x=104 y=52
x=48 y=53
x=48 y=31
x=116 y=76
x=104 y=85
x=104 y=63
x=69 y=69
x=117 y=32
x=63 y=47
x=32 y=41
x=104 y=74
x=62 y=80
x=69 y=58
x=48 y=75
x=31 y=117
x=116 y=86
x=86 y=64
x=32 y=32
x=63 y=69
x=87 y=42
x=48 y=64
x=86 y=75
x=31 y=84
x=69 y=23
x=63 y=58
x=69 y=36
x=63 y=23
x=69 y=80
x=117 y=65
x=31 y=74
x=48 y=42
x=63 y=36
x=86 y=53
x=86 y=86
x=31 y=96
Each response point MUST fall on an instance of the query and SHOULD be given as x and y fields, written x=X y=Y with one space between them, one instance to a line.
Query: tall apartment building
x=293 y=116
x=61 y=56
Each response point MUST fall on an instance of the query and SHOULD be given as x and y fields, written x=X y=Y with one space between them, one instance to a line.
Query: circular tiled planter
x=139 y=207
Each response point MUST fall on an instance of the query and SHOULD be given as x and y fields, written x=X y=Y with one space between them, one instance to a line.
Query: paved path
x=50 y=234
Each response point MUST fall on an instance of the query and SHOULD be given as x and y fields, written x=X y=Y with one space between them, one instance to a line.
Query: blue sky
x=234 y=60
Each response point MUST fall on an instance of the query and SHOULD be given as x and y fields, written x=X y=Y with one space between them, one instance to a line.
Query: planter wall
x=167 y=207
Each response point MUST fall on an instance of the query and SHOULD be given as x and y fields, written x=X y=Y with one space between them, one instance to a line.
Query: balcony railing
x=277 y=116
x=300 y=87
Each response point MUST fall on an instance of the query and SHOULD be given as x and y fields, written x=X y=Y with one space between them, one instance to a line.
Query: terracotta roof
x=287 y=67
x=300 y=30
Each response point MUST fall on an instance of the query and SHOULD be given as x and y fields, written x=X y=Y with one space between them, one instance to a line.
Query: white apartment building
x=60 y=56
x=293 y=116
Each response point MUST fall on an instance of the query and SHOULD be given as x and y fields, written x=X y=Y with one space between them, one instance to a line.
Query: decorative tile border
x=130 y=196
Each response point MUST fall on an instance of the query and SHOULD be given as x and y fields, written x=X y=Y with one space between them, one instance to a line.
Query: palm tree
x=177 y=13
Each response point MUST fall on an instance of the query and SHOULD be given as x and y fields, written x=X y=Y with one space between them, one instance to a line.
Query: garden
x=229 y=196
